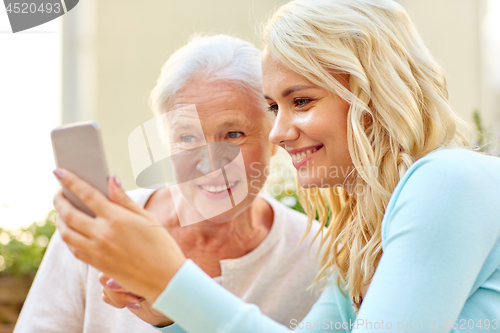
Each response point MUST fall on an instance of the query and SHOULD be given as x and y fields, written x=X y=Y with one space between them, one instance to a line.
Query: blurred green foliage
x=22 y=250
x=485 y=141
x=482 y=136
x=290 y=198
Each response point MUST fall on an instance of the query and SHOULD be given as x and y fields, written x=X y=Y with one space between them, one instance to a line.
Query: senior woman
x=250 y=249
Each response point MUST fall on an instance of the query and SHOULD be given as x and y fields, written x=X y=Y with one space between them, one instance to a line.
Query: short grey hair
x=209 y=59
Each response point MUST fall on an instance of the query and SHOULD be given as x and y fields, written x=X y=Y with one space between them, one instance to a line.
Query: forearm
x=198 y=304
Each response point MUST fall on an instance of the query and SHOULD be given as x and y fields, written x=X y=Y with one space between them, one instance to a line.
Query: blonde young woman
x=362 y=107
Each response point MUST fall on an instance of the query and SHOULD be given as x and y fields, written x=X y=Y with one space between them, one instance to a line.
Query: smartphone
x=78 y=148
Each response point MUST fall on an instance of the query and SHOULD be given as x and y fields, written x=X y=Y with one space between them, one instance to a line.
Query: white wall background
x=29 y=109
x=464 y=36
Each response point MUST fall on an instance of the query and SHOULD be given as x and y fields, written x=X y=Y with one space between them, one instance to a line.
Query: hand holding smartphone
x=78 y=148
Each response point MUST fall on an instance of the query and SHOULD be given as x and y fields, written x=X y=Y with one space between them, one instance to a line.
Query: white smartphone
x=78 y=148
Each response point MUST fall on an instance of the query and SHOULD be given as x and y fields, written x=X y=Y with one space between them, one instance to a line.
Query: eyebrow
x=184 y=126
x=233 y=123
x=292 y=89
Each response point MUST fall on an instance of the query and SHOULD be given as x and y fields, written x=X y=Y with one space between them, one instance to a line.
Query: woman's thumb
x=118 y=195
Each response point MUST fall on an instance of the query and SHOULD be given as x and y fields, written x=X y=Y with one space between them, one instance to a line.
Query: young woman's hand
x=124 y=241
x=115 y=295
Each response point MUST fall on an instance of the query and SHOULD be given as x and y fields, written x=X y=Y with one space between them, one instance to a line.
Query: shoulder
x=59 y=261
x=455 y=162
x=455 y=171
x=57 y=249
x=457 y=185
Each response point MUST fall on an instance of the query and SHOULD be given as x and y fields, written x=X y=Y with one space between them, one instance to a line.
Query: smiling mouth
x=300 y=156
x=219 y=188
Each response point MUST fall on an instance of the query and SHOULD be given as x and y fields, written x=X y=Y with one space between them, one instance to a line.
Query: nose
x=214 y=156
x=283 y=130
x=204 y=164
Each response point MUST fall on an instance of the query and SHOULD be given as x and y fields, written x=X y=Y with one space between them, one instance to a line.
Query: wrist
x=163 y=282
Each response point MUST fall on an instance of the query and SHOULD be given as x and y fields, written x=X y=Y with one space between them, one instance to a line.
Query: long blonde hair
x=399 y=112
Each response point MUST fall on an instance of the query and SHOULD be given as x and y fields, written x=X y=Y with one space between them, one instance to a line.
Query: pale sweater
x=66 y=294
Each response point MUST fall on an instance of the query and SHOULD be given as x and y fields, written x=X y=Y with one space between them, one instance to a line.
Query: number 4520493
x=31 y=8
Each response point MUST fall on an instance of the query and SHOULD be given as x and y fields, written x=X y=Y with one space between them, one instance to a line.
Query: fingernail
x=112 y=284
x=133 y=306
x=117 y=181
x=58 y=173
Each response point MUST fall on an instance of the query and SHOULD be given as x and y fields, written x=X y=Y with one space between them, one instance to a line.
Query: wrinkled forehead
x=178 y=118
x=220 y=98
x=189 y=119
x=187 y=115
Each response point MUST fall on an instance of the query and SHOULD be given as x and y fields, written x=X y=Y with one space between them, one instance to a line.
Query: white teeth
x=302 y=155
x=217 y=189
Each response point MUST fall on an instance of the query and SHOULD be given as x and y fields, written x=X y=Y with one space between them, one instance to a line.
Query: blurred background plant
x=486 y=141
x=281 y=183
x=21 y=250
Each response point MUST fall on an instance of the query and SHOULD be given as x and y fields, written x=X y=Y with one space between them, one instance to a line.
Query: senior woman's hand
x=115 y=295
x=124 y=241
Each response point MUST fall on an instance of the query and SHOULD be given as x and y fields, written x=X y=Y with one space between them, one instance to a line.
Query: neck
x=234 y=238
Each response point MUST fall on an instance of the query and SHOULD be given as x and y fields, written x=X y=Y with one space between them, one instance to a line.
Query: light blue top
x=439 y=272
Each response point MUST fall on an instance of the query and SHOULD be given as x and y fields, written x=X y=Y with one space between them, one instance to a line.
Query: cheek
x=329 y=125
x=256 y=160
